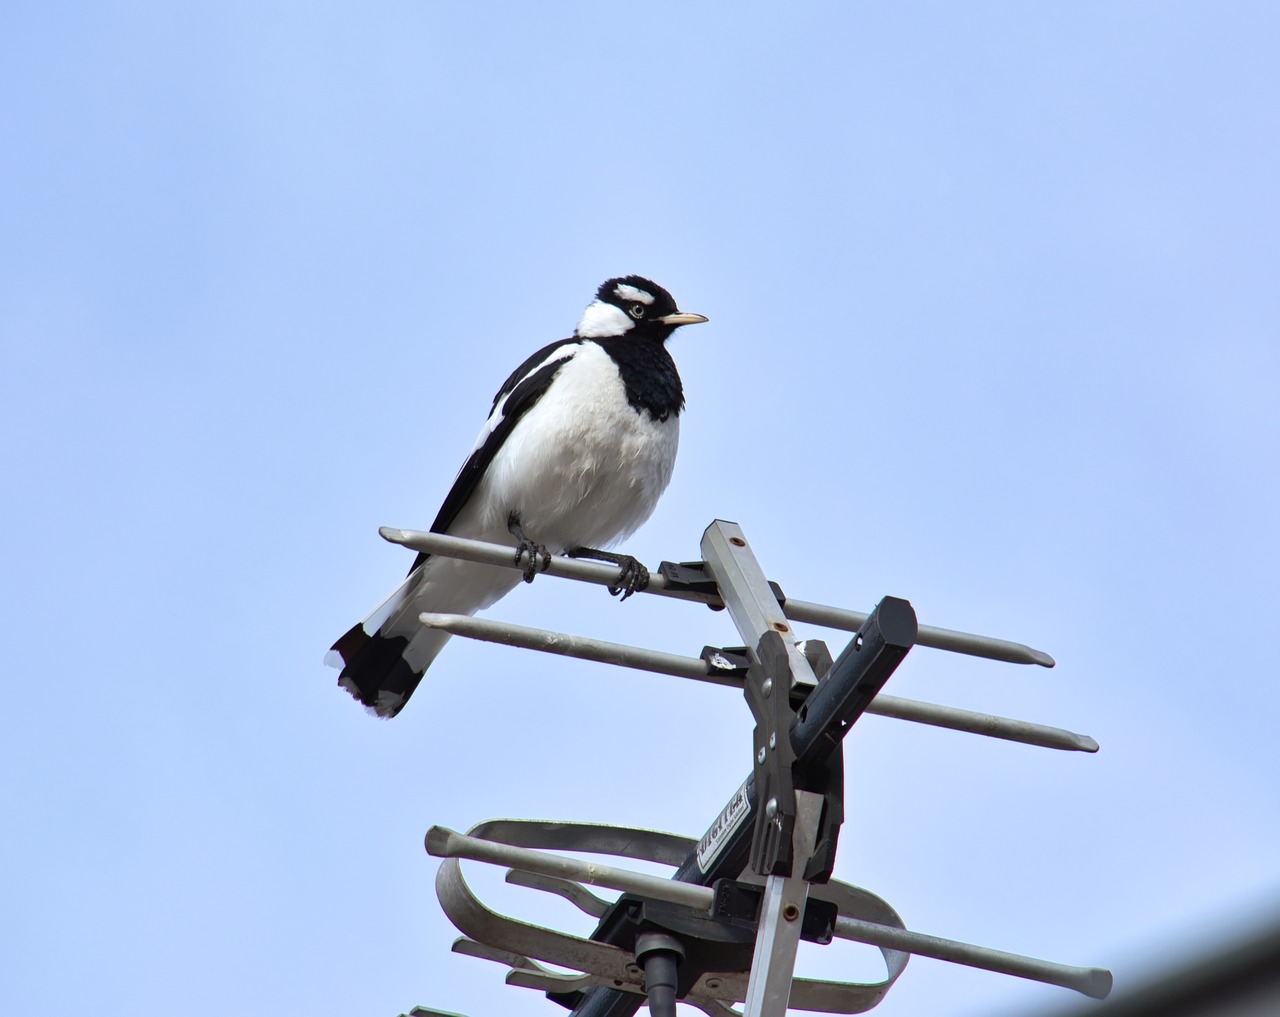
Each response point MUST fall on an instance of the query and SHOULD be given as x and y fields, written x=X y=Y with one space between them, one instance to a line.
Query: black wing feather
x=531 y=362
x=523 y=390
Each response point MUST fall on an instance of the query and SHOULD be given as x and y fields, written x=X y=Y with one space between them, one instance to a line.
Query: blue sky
x=994 y=327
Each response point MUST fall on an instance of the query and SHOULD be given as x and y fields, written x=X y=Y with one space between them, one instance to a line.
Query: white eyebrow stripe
x=625 y=292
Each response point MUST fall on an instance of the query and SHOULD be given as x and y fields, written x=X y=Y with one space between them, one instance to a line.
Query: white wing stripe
x=498 y=412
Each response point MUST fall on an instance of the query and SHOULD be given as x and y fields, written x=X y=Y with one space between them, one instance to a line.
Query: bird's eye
x=636 y=310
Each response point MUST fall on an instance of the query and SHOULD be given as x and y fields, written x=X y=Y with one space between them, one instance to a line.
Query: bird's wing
x=519 y=394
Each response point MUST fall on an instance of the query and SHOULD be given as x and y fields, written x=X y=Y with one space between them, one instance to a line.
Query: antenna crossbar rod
x=445 y=843
x=698 y=669
x=796 y=610
x=441 y=842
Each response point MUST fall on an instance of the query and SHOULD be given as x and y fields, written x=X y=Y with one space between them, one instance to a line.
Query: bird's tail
x=384 y=657
x=372 y=653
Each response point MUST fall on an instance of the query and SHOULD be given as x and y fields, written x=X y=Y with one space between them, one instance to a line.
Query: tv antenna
x=724 y=929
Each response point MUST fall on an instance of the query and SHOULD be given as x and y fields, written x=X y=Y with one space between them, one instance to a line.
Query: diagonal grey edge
x=470 y=948
x=548 y=981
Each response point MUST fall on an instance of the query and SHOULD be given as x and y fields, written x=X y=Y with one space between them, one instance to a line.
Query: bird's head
x=635 y=306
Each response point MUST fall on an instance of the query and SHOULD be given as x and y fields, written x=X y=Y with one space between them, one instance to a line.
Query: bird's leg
x=528 y=547
x=632 y=576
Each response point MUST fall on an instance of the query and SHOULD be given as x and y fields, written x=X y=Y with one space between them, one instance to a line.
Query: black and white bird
x=579 y=445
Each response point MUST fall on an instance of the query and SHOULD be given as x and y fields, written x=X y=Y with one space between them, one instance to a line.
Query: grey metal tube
x=1095 y=982
x=444 y=843
x=929 y=635
x=582 y=647
x=796 y=610
x=660 y=662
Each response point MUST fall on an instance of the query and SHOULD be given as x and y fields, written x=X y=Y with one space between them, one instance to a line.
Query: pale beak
x=682 y=318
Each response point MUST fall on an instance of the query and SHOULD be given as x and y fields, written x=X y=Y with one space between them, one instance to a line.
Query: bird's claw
x=536 y=553
x=633 y=577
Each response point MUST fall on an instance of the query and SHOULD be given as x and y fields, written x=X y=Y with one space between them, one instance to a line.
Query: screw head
x=760 y=755
x=767 y=687
x=771 y=808
x=773 y=740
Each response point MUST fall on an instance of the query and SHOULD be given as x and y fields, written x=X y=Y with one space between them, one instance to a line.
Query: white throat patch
x=601 y=319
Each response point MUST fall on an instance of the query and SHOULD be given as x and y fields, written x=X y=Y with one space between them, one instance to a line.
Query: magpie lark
x=579 y=445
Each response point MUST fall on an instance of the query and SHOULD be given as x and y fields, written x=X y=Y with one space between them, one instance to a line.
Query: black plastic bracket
x=738 y=904
x=826 y=779
x=768 y=694
x=693 y=577
x=709 y=944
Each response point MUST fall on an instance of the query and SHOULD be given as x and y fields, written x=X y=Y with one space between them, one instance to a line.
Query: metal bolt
x=767 y=687
x=773 y=740
x=790 y=912
x=713 y=983
x=771 y=808
x=633 y=970
x=760 y=755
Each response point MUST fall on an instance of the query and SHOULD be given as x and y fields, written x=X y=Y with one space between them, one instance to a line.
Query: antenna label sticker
x=726 y=825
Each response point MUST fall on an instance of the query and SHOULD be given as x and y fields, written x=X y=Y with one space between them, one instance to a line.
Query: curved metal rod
x=575 y=893
x=478 y=922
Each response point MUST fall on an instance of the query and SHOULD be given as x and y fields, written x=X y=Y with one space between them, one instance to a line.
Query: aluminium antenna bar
x=796 y=610
x=442 y=842
x=698 y=669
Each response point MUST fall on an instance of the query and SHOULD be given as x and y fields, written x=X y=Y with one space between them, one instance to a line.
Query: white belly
x=582 y=468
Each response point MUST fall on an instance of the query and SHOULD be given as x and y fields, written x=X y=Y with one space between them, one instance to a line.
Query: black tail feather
x=375 y=670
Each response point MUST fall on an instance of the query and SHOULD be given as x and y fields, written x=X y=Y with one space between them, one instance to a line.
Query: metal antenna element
x=695 y=586
x=718 y=669
x=532 y=867
x=725 y=927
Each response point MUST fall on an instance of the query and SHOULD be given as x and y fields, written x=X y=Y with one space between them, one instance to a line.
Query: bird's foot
x=528 y=548
x=538 y=555
x=633 y=577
